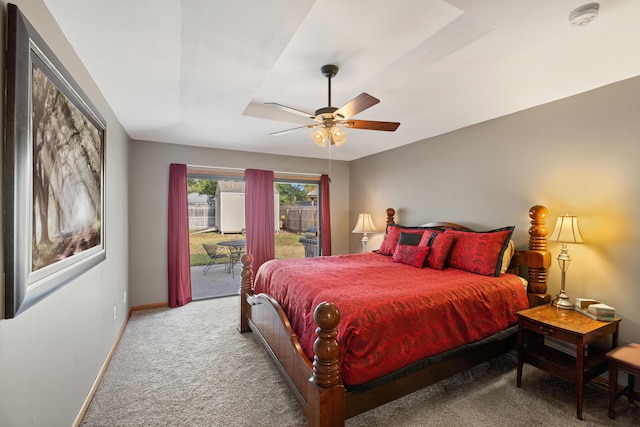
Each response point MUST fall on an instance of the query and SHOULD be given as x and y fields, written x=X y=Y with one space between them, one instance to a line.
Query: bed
x=446 y=310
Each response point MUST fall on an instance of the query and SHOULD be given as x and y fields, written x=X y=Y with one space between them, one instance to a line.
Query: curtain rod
x=214 y=168
x=242 y=170
x=298 y=173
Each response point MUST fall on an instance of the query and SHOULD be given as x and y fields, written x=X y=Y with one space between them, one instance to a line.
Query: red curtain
x=325 y=216
x=259 y=219
x=178 y=264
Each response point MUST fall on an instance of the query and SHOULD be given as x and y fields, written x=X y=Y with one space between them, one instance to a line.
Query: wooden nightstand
x=567 y=326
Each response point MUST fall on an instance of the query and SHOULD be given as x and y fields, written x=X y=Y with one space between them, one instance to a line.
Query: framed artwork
x=53 y=194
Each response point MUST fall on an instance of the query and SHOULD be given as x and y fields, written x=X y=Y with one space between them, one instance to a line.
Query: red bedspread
x=391 y=314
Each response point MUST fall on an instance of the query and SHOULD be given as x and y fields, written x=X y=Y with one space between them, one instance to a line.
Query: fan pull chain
x=330 y=163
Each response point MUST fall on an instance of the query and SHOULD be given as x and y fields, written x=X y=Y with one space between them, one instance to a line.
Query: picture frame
x=54 y=172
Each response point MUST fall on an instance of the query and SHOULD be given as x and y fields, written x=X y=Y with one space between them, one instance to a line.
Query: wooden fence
x=202 y=217
x=298 y=219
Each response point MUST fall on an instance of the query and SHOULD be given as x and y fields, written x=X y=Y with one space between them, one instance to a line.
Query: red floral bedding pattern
x=392 y=314
x=410 y=255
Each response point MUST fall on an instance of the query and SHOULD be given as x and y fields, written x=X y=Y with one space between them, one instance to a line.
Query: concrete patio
x=216 y=283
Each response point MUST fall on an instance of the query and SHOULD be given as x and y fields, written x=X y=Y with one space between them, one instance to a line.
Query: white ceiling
x=198 y=72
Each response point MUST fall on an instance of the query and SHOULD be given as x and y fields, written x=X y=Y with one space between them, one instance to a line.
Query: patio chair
x=215 y=253
x=235 y=253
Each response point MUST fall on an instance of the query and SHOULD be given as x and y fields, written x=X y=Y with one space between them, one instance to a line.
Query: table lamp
x=566 y=231
x=364 y=225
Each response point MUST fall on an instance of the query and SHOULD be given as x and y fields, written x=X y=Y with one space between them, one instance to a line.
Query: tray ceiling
x=199 y=72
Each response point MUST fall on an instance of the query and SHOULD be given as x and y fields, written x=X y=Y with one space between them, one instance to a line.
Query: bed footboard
x=246 y=290
x=264 y=316
x=326 y=393
x=316 y=386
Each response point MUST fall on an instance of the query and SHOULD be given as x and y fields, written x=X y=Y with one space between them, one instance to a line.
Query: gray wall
x=51 y=354
x=149 y=178
x=579 y=155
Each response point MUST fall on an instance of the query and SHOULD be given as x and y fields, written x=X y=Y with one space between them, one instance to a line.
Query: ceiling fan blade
x=356 y=105
x=291 y=110
x=371 y=125
x=292 y=129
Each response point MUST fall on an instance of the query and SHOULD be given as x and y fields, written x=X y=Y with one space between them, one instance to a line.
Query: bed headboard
x=537 y=259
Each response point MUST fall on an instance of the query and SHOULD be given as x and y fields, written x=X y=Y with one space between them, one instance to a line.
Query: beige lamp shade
x=364 y=224
x=567 y=230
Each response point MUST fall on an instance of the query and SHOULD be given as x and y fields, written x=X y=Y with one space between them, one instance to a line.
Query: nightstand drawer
x=542 y=329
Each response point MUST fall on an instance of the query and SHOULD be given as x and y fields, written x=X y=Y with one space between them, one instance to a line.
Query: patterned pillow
x=412 y=239
x=479 y=252
x=428 y=237
x=388 y=245
x=410 y=255
x=440 y=246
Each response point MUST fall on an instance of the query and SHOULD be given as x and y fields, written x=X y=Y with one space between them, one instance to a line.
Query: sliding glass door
x=217 y=228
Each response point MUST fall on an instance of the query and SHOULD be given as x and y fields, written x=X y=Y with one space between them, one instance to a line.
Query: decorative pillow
x=506 y=258
x=388 y=245
x=479 y=252
x=428 y=237
x=410 y=255
x=440 y=247
x=412 y=239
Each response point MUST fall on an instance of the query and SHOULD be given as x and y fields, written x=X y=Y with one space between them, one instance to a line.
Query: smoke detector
x=584 y=14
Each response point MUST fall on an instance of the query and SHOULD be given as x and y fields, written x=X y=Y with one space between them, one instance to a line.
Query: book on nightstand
x=595 y=309
x=563 y=346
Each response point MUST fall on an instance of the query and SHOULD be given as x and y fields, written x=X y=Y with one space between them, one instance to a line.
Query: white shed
x=230 y=207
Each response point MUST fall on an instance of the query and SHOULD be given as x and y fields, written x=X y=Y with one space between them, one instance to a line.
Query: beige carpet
x=190 y=367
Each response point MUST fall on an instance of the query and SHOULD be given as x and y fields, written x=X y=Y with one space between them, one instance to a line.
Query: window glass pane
x=216 y=215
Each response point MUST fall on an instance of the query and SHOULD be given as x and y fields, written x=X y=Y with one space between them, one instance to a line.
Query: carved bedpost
x=538 y=258
x=246 y=290
x=390 y=216
x=327 y=394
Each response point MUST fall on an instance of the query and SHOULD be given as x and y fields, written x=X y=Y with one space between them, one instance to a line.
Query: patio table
x=236 y=249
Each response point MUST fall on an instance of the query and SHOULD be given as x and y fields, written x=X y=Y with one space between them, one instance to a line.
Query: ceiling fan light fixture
x=330 y=117
x=584 y=14
x=319 y=136
x=338 y=136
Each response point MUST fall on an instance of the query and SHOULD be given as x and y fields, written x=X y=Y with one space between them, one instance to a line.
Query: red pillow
x=440 y=247
x=410 y=255
x=390 y=240
x=479 y=252
x=428 y=237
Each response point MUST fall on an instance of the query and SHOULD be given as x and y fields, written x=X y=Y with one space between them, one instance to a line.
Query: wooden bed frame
x=317 y=385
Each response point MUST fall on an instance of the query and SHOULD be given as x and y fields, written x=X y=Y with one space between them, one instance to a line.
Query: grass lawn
x=287 y=245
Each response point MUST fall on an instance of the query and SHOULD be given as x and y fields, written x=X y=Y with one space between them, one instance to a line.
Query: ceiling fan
x=329 y=118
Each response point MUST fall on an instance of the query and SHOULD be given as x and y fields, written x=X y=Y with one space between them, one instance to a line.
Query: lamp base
x=562 y=301
x=364 y=241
